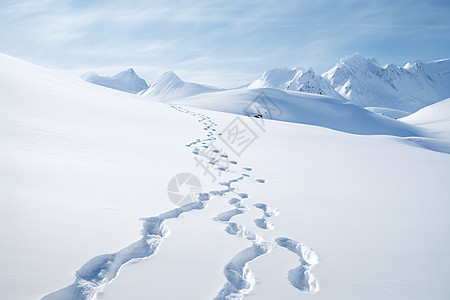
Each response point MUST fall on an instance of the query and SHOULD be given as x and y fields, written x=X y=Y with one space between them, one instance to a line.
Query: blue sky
x=224 y=43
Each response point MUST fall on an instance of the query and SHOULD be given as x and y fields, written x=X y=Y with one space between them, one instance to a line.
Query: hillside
x=284 y=210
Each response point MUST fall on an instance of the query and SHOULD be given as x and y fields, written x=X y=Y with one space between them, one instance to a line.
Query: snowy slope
x=170 y=86
x=127 y=81
x=435 y=118
x=360 y=202
x=364 y=82
x=295 y=80
x=303 y=210
x=389 y=112
x=302 y=108
x=79 y=165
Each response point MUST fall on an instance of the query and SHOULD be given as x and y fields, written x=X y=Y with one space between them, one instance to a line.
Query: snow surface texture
x=82 y=164
x=126 y=81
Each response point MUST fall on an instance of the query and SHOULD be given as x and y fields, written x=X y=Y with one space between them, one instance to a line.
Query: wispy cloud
x=220 y=42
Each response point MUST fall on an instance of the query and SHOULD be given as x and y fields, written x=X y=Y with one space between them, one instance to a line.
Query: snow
x=127 y=81
x=302 y=108
x=431 y=67
x=435 y=118
x=364 y=82
x=360 y=202
x=85 y=171
x=439 y=71
x=295 y=80
x=170 y=86
x=78 y=170
x=274 y=78
x=389 y=112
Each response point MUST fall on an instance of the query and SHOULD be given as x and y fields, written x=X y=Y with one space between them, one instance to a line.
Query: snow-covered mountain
x=438 y=70
x=364 y=82
x=126 y=81
x=170 y=86
x=295 y=79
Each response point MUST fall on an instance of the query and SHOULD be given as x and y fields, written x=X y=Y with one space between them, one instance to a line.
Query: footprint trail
x=96 y=273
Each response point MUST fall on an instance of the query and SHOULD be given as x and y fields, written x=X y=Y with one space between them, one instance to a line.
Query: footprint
x=239 y=230
x=263 y=223
x=268 y=211
x=221 y=192
x=240 y=280
x=100 y=270
x=301 y=277
x=226 y=216
x=236 y=202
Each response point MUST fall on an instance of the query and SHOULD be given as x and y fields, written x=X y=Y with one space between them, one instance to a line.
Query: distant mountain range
x=126 y=81
x=362 y=81
x=356 y=79
x=365 y=83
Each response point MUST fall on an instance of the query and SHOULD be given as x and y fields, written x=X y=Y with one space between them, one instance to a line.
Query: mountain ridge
x=364 y=82
x=170 y=86
x=126 y=81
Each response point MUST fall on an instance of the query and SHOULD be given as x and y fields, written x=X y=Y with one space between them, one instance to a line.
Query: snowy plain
x=82 y=164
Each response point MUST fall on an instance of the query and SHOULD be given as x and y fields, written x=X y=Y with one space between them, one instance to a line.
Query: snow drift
x=301 y=108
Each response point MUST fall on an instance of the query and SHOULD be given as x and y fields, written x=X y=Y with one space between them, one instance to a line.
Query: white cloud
x=232 y=40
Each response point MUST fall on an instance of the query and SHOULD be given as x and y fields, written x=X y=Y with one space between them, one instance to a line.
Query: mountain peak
x=129 y=73
x=169 y=76
x=167 y=81
x=170 y=86
x=295 y=79
x=363 y=81
x=357 y=59
x=126 y=81
x=91 y=74
x=274 y=78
